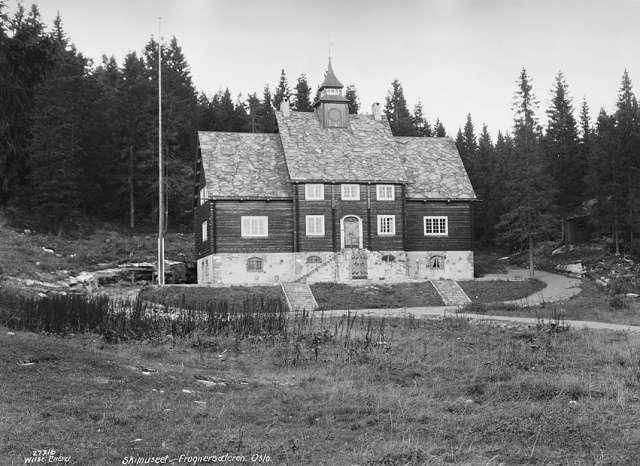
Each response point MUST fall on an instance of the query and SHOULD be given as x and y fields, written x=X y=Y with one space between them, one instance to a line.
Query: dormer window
x=330 y=91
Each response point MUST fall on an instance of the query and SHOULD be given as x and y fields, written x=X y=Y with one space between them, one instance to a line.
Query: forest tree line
x=78 y=141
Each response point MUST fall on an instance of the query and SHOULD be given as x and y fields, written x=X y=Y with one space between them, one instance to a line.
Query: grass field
x=441 y=391
x=197 y=296
x=494 y=291
x=592 y=303
x=341 y=296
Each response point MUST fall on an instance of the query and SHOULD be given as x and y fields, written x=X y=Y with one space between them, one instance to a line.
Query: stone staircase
x=322 y=265
x=299 y=296
x=450 y=292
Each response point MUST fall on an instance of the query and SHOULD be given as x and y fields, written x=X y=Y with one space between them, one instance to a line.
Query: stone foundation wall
x=231 y=268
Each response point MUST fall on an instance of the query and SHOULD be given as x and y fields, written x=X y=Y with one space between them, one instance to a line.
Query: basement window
x=436 y=262
x=436 y=226
x=388 y=258
x=314 y=260
x=255 y=264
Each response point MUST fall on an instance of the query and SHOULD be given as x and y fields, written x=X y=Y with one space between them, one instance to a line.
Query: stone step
x=450 y=292
x=299 y=296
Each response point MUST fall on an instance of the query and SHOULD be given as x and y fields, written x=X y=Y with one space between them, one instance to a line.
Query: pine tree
x=420 y=124
x=566 y=166
x=606 y=178
x=352 y=96
x=397 y=112
x=64 y=104
x=486 y=185
x=303 y=95
x=628 y=138
x=255 y=109
x=268 y=116
x=438 y=129
x=282 y=91
x=529 y=192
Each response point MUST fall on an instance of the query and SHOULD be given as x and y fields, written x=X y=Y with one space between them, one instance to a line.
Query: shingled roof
x=434 y=168
x=244 y=164
x=263 y=165
x=364 y=151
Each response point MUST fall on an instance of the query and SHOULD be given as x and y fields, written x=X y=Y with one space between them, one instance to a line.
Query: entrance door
x=351 y=232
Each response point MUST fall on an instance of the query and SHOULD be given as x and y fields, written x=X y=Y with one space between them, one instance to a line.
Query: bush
x=618 y=302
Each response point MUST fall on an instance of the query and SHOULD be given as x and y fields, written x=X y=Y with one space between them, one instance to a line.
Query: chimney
x=284 y=107
x=376 y=111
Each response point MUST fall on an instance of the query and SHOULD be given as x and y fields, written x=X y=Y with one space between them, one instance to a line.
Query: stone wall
x=231 y=268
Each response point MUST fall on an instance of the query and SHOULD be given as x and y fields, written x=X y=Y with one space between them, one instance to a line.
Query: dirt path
x=559 y=287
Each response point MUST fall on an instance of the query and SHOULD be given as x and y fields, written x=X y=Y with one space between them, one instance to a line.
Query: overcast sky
x=457 y=56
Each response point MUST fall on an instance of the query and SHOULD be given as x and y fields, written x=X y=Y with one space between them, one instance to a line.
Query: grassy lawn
x=494 y=291
x=592 y=303
x=196 y=296
x=340 y=296
x=436 y=391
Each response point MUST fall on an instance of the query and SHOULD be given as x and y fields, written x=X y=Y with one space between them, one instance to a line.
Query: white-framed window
x=350 y=192
x=385 y=192
x=315 y=225
x=386 y=224
x=436 y=226
x=254 y=226
x=203 y=195
x=314 y=192
x=205 y=231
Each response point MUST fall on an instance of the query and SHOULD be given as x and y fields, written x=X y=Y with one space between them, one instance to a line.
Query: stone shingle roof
x=364 y=151
x=243 y=164
x=263 y=165
x=434 y=168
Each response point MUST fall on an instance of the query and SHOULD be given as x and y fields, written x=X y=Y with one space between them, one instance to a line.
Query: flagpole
x=161 y=219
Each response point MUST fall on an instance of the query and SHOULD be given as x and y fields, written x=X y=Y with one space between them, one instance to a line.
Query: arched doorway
x=351 y=232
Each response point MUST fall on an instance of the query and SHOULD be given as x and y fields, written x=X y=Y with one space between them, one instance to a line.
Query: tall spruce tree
x=421 y=126
x=64 y=106
x=529 y=193
x=606 y=178
x=628 y=137
x=567 y=167
x=438 y=129
x=397 y=112
x=302 y=101
x=282 y=91
x=352 y=97
x=268 y=122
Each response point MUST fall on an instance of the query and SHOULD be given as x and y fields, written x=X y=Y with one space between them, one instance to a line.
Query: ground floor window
x=254 y=226
x=255 y=264
x=386 y=224
x=436 y=226
x=315 y=225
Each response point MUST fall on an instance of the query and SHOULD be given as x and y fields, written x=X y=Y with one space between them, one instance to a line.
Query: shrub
x=618 y=302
